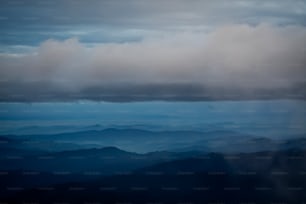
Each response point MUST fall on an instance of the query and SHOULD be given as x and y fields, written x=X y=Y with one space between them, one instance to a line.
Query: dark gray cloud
x=150 y=13
x=232 y=62
x=29 y=22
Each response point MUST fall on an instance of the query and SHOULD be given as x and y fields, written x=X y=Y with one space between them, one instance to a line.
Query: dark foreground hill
x=264 y=177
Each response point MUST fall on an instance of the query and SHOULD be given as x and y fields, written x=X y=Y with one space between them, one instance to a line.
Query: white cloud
x=236 y=57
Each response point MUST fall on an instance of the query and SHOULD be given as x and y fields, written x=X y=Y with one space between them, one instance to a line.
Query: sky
x=141 y=50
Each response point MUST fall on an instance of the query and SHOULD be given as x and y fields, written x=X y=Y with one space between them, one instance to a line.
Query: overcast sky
x=141 y=50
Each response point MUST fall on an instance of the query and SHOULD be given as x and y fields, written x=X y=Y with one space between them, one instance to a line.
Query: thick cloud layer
x=232 y=62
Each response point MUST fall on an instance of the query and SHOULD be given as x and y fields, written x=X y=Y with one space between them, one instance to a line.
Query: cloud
x=31 y=22
x=232 y=62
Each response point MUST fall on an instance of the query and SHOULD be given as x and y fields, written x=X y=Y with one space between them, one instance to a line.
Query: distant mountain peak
x=108 y=151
